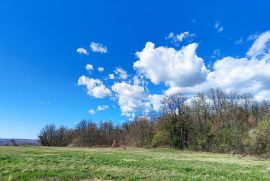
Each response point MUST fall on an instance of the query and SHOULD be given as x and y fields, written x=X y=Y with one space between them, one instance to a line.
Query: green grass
x=52 y=163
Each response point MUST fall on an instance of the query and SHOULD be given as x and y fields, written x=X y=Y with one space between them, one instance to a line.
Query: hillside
x=13 y=142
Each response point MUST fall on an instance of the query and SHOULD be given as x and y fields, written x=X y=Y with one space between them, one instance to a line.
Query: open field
x=51 y=163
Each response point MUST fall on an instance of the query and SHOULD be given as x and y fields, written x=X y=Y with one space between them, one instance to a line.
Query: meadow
x=67 y=163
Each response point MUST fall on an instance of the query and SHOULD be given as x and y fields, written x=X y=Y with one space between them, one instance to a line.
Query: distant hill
x=18 y=142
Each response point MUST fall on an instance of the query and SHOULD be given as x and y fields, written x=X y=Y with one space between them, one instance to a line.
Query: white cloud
x=176 y=38
x=92 y=111
x=170 y=66
x=246 y=75
x=131 y=98
x=100 y=69
x=95 y=87
x=111 y=76
x=184 y=71
x=121 y=73
x=82 y=51
x=97 y=47
x=261 y=45
x=173 y=90
x=102 y=107
x=182 y=36
x=139 y=80
x=218 y=27
x=134 y=99
x=243 y=74
x=155 y=102
x=89 y=67
x=136 y=80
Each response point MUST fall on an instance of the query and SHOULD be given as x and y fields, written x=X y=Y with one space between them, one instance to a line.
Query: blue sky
x=41 y=65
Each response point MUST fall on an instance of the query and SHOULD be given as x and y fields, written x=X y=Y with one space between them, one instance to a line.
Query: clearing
x=54 y=163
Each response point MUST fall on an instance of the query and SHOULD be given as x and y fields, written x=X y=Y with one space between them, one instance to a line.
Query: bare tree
x=175 y=110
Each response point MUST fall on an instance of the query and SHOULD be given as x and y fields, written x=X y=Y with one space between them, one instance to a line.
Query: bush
x=258 y=139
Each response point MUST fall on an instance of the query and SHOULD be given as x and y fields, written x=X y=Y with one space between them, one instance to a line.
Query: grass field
x=51 y=163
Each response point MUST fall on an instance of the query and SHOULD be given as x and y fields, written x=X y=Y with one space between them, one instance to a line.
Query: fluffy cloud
x=97 y=47
x=139 y=80
x=249 y=74
x=170 y=66
x=131 y=98
x=173 y=90
x=100 y=69
x=95 y=87
x=89 y=67
x=121 y=73
x=184 y=71
x=102 y=107
x=92 y=111
x=244 y=75
x=82 y=51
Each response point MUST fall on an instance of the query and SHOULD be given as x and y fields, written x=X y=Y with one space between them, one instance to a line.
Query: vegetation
x=215 y=122
x=69 y=163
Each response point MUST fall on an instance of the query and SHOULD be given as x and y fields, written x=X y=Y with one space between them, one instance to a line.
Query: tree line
x=216 y=121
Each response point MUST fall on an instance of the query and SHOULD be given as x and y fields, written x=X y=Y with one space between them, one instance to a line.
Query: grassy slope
x=50 y=163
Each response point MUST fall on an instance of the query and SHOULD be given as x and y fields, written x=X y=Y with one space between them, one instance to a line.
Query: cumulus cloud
x=82 y=51
x=121 y=73
x=184 y=71
x=170 y=66
x=133 y=98
x=249 y=74
x=243 y=74
x=89 y=67
x=95 y=87
x=173 y=90
x=139 y=80
x=100 y=69
x=97 y=47
x=102 y=107
x=92 y=111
